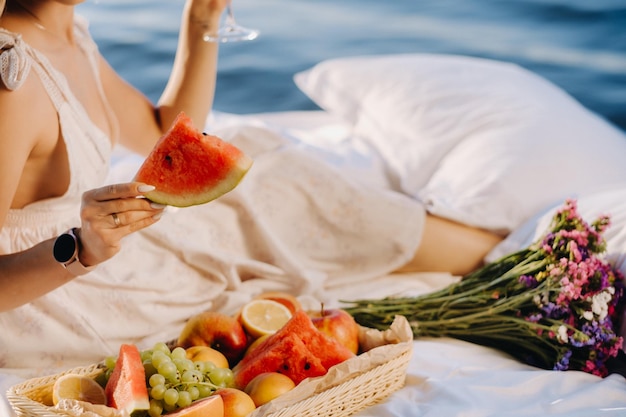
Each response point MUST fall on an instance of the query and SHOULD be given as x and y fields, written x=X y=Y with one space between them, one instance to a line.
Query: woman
x=36 y=164
x=139 y=275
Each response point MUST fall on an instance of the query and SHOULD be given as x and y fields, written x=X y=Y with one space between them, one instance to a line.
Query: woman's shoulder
x=21 y=92
x=15 y=59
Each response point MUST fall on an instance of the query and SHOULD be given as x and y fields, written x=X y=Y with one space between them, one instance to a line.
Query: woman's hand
x=110 y=213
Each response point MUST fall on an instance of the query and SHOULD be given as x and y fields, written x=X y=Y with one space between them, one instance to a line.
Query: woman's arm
x=191 y=85
x=27 y=275
x=31 y=273
x=192 y=81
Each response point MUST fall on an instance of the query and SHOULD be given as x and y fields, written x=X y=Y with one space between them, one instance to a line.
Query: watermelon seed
x=307 y=366
x=168 y=159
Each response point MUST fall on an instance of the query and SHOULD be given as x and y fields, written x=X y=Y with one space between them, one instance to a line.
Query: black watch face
x=64 y=248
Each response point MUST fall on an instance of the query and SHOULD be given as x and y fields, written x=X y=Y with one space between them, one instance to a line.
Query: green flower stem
x=494 y=308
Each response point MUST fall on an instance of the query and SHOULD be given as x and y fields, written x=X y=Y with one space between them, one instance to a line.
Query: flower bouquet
x=553 y=305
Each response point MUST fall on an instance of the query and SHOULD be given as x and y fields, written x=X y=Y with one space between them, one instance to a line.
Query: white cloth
x=294 y=224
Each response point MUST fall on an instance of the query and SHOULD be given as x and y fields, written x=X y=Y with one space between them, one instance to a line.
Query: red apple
x=338 y=324
x=217 y=330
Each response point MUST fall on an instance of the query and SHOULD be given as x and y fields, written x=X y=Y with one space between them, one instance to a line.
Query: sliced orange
x=261 y=317
x=77 y=387
x=288 y=300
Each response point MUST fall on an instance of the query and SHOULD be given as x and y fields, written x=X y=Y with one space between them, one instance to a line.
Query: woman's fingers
x=119 y=205
x=133 y=217
x=118 y=191
x=110 y=213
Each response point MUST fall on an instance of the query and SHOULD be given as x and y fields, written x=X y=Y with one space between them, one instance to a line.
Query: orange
x=286 y=299
x=264 y=387
x=77 y=387
x=262 y=317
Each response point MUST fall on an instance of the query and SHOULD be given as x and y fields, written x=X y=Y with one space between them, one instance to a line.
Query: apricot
x=264 y=387
x=207 y=354
x=236 y=402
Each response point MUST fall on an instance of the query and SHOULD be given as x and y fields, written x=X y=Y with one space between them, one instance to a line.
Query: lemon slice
x=261 y=317
x=77 y=387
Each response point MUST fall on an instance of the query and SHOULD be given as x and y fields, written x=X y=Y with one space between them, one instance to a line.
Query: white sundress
x=292 y=224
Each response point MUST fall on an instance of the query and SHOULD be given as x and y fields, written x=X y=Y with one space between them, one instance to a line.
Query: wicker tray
x=347 y=388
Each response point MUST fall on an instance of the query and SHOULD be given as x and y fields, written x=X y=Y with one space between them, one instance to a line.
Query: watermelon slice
x=188 y=167
x=299 y=348
x=288 y=355
x=126 y=388
x=328 y=350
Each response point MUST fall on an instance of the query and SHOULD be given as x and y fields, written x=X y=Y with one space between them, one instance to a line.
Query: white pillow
x=482 y=142
x=606 y=201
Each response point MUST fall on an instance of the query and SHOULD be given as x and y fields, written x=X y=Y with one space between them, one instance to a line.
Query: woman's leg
x=448 y=246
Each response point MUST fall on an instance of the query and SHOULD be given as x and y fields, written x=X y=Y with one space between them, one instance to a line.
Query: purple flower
x=563 y=363
x=554 y=311
x=529 y=281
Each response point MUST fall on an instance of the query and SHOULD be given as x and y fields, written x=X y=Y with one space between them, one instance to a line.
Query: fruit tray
x=346 y=389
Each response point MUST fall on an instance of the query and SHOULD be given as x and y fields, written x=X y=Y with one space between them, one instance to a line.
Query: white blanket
x=446 y=377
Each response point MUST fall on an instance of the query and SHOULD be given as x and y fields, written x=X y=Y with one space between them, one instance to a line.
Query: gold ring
x=116 y=220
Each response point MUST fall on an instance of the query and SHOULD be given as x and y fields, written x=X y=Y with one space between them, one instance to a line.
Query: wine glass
x=230 y=31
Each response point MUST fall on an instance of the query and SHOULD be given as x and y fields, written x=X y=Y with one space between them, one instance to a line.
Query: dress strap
x=14 y=62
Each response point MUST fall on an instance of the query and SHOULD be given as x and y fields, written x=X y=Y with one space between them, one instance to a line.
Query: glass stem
x=230 y=17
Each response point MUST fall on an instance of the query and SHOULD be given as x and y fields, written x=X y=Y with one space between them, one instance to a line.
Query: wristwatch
x=65 y=251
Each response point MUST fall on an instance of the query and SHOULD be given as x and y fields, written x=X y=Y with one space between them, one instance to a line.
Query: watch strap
x=74 y=266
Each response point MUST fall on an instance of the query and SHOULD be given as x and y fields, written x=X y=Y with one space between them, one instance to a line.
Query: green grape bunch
x=173 y=380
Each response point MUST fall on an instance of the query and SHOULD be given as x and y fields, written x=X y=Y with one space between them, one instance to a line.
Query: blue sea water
x=580 y=45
